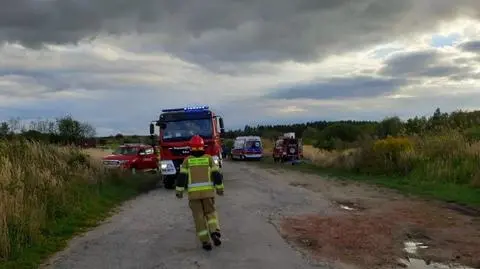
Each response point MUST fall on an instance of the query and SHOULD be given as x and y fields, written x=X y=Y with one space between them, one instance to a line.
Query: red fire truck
x=177 y=126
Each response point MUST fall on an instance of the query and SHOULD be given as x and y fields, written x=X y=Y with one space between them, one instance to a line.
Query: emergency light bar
x=187 y=109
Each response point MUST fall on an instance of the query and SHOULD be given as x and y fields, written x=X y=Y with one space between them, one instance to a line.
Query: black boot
x=216 y=238
x=207 y=246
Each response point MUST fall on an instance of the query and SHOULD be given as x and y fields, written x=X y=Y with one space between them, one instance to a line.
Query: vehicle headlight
x=216 y=160
x=163 y=166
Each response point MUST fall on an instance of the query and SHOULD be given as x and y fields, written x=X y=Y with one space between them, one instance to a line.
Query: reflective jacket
x=199 y=176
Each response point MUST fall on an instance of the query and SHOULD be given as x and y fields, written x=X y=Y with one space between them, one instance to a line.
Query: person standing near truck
x=201 y=178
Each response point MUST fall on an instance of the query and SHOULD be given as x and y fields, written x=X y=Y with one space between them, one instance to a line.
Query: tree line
x=322 y=134
x=65 y=130
x=342 y=134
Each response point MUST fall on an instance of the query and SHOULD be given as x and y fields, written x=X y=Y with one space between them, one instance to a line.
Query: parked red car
x=132 y=157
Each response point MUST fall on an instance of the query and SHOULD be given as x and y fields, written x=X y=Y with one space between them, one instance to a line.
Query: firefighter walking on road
x=201 y=178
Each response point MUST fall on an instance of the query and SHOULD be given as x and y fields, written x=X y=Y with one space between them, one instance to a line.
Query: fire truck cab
x=177 y=126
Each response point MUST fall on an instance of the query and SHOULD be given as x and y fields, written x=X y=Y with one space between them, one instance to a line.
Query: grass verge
x=447 y=192
x=50 y=194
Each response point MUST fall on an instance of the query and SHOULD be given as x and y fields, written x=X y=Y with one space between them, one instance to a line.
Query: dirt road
x=156 y=230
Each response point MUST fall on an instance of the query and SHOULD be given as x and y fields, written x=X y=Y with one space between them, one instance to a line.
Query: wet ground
x=282 y=219
x=379 y=228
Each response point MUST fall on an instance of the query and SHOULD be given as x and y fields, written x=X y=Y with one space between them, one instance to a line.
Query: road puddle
x=412 y=247
x=347 y=207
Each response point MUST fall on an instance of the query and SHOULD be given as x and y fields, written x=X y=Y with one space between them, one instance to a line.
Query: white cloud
x=120 y=88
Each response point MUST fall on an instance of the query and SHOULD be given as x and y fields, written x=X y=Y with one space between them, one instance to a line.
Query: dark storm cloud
x=340 y=88
x=471 y=46
x=228 y=30
x=407 y=63
x=429 y=63
x=60 y=80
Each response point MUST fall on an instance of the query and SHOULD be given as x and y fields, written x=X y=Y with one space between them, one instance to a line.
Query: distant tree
x=73 y=131
x=340 y=132
x=4 y=129
x=438 y=121
x=392 y=126
x=102 y=141
x=310 y=135
x=88 y=130
x=35 y=135
x=416 y=126
x=270 y=134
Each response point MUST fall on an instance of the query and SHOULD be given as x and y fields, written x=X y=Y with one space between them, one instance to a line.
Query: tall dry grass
x=447 y=158
x=330 y=159
x=40 y=184
x=267 y=146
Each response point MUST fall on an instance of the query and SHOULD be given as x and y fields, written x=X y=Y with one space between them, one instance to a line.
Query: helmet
x=197 y=143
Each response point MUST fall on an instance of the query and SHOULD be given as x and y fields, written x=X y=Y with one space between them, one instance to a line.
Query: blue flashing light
x=187 y=109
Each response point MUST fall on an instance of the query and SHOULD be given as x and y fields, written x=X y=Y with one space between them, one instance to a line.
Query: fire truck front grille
x=180 y=151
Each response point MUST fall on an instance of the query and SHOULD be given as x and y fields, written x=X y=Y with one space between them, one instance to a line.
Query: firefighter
x=201 y=178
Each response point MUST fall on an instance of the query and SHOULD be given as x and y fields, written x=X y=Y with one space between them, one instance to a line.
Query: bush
x=333 y=136
x=392 y=155
x=44 y=185
x=472 y=134
x=448 y=158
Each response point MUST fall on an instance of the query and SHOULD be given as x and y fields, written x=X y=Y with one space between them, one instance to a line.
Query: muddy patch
x=274 y=171
x=394 y=234
x=466 y=210
x=299 y=184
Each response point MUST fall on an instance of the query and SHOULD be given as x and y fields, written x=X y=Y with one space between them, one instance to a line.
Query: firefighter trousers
x=205 y=217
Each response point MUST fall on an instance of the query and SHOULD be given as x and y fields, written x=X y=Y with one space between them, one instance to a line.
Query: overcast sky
x=117 y=63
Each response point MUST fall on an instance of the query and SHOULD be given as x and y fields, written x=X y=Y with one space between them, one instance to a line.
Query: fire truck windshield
x=185 y=129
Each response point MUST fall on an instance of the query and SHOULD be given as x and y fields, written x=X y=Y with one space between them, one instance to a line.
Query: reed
x=42 y=186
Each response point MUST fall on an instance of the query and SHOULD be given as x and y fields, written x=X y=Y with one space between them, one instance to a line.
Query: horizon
x=240 y=128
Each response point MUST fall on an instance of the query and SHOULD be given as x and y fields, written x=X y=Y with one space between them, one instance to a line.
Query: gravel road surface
x=156 y=230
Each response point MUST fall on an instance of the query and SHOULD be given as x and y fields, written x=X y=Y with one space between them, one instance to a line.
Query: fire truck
x=177 y=126
x=288 y=149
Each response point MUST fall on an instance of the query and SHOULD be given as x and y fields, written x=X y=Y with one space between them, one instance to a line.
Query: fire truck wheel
x=168 y=182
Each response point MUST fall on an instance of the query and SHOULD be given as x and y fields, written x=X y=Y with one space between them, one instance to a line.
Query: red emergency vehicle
x=132 y=157
x=177 y=126
x=288 y=149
